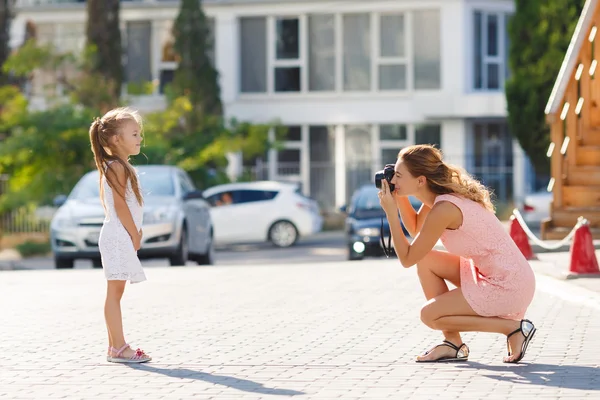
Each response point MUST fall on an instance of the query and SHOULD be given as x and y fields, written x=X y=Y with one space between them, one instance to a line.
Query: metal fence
x=22 y=220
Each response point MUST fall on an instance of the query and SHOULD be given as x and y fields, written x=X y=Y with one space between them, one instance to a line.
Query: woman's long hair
x=443 y=178
x=101 y=131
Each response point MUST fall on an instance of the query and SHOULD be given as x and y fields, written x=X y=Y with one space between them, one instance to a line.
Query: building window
x=357 y=52
x=351 y=52
x=321 y=52
x=392 y=62
x=492 y=161
x=287 y=63
x=427 y=49
x=490 y=50
x=392 y=132
x=428 y=134
x=253 y=57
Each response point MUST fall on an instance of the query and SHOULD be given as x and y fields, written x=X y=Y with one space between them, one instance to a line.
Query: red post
x=518 y=235
x=583 y=253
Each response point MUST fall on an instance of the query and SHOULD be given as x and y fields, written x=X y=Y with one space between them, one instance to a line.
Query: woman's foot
x=518 y=340
x=446 y=351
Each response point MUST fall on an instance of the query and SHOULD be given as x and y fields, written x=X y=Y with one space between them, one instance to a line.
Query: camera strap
x=387 y=251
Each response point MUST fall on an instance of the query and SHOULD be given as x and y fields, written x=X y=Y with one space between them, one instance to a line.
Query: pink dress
x=495 y=277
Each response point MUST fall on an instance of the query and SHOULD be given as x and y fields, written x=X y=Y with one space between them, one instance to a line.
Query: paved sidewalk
x=347 y=330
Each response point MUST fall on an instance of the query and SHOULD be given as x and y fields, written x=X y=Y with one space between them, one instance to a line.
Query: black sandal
x=528 y=330
x=462 y=353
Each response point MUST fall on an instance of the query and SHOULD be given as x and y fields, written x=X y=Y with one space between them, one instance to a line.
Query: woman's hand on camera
x=387 y=199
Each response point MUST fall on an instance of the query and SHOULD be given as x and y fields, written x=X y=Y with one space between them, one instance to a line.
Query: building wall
x=346 y=118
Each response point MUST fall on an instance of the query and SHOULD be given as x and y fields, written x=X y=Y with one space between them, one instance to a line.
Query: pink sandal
x=138 y=357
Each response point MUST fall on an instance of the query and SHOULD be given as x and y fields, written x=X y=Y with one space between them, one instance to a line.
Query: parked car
x=176 y=225
x=536 y=208
x=364 y=216
x=254 y=212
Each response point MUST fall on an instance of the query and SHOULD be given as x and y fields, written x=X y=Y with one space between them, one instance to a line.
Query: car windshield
x=154 y=183
x=367 y=205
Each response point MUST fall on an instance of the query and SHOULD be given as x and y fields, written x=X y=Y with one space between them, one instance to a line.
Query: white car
x=176 y=225
x=254 y=212
x=536 y=208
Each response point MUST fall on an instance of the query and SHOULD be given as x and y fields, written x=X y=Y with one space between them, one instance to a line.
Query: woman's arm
x=441 y=216
x=121 y=207
x=413 y=220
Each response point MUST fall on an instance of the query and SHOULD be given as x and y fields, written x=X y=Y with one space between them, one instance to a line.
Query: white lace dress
x=119 y=257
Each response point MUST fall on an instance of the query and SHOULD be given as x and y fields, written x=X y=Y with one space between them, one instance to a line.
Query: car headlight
x=368 y=232
x=159 y=215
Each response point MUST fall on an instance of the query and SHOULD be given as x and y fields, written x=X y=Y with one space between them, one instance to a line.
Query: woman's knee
x=429 y=315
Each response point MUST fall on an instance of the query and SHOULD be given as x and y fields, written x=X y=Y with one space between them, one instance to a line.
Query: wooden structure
x=573 y=113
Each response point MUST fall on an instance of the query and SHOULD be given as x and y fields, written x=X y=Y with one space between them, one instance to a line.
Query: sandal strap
x=513 y=332
x=450 y=344
x=121 y=350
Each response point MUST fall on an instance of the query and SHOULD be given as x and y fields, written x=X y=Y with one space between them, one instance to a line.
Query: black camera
x=386 y=173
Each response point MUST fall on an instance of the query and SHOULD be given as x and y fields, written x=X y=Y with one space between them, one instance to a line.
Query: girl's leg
x=451 y=312
x=433 y=270
x=112 y=314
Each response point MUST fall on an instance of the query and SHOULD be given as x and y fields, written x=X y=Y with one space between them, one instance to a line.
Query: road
x=318 y=330
x=322 y=247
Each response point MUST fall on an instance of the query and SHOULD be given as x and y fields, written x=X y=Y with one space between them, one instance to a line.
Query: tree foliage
x=196 y=77
x=539 y=32
x=6 y=14
x=104 y=38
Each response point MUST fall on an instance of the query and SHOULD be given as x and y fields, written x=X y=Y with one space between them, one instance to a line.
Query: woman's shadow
x=224 y=380
x=563 y=376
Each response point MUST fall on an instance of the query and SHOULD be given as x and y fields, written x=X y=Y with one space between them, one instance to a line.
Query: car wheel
x=207 y=258
x=96 y=262
x=182 y=253
x=63 y=262
x=354 y=256
x=283 y=234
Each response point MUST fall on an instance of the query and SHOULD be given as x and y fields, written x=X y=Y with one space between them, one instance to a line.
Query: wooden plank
x=588 y=155
x=567 y=218
x=592 y=136
x=553 y=233
x=556 y=134
x=572 y=123
x=581 y=196
x=584 y=176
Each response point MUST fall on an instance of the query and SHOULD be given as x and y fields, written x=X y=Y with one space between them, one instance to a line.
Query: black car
x=363 y=223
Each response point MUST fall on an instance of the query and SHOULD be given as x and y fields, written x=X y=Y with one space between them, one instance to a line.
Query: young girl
x=495 y=283
x=115 y=137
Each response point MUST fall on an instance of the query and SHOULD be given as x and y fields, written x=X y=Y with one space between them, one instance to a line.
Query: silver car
x=177 y=223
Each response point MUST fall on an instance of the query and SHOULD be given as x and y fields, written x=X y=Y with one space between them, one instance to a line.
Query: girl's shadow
x=563 y=376
x=229 y=381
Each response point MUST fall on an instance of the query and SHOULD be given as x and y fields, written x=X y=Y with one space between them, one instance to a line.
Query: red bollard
x=583 y=253
x=520 y=238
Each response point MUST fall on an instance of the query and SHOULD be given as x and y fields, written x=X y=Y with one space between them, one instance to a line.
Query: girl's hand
x=387 y=199
x=137 y=241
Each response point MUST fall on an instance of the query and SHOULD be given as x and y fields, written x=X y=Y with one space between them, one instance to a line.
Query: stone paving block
x=318 y=331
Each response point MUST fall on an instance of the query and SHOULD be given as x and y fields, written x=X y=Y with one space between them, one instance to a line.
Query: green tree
x=6 y=7
x=539 y=32
x=104 y=42
x=195 y=77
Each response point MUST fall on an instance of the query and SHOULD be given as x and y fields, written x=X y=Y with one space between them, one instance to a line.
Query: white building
x=354 y=80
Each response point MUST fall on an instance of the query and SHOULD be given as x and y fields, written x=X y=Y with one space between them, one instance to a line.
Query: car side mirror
x=59 y=200
x=195 y=194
